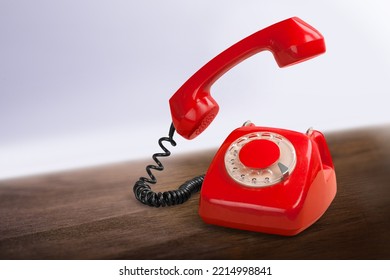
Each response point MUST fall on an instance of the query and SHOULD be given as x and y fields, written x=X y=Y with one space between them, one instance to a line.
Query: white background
x=88 y=82
x=109 y=269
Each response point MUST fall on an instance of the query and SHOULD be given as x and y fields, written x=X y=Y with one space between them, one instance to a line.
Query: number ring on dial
x=260 y=177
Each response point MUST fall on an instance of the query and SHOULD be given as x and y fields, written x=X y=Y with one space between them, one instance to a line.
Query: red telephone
x=261 y=179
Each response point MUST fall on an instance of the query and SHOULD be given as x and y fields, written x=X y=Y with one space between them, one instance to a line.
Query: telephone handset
x=261 y=179
x=290 y=41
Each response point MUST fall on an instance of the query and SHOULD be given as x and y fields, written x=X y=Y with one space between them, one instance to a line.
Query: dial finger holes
x=260 y=159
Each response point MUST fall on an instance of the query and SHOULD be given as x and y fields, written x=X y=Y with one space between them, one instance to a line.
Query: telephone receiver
x=262 y=179
x=290 y=41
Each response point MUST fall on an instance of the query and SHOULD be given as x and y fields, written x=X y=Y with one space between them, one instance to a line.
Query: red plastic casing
x=291 y=41
x=286 y=208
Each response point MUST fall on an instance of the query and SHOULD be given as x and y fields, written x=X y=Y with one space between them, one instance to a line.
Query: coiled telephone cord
x=143 y=191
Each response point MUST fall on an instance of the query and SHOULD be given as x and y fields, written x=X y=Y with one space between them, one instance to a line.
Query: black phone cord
x=142 y=189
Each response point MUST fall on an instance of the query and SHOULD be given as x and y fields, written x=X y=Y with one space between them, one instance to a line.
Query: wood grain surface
x=92 y=213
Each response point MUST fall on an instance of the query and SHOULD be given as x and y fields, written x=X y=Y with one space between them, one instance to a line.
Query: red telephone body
x=286 y=207
x=261 y=179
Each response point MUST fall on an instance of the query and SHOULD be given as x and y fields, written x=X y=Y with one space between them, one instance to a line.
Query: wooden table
x=92 y=214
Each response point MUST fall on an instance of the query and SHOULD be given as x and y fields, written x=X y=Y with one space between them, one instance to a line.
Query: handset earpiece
x=291 y=41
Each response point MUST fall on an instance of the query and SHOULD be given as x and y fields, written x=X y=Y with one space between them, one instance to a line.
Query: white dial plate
x=262 y=177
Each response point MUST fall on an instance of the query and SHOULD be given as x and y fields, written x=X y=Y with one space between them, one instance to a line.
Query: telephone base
x=286 y=207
